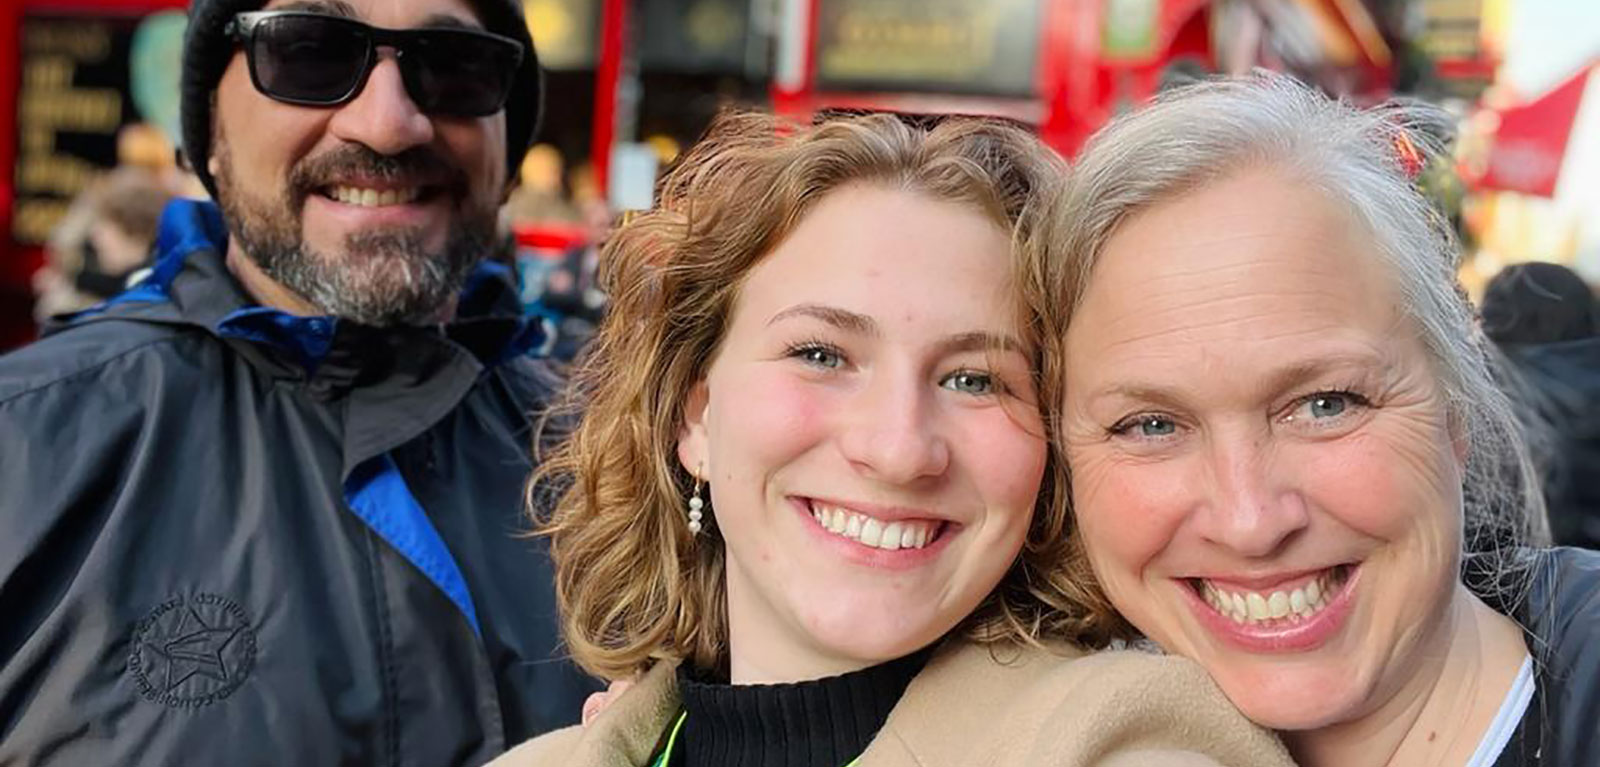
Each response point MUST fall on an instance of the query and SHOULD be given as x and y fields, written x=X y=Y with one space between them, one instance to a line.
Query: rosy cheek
x=1130 y=510
x=1124 y=528
x=792 y=404
x=1007 y=457
x=1370 y=486
x=774 y=415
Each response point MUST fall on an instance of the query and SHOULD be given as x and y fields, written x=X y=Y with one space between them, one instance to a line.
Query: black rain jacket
x=231 y=536
x=1561 y=623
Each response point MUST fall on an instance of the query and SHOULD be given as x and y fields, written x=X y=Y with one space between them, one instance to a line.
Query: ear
x=693 y=444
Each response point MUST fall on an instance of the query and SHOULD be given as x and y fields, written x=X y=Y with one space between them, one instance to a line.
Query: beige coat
x=971 y=707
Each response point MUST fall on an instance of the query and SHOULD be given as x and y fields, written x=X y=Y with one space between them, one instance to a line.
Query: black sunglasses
x=314 y=59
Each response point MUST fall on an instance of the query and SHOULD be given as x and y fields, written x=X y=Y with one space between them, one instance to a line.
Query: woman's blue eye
x=1156 y=426
x=1327 y=405
x=819 y=356
x=1149 y=426
x=969 y=382
x=1327 y=409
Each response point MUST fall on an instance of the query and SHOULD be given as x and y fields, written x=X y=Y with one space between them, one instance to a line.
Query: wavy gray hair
x=1201 y=133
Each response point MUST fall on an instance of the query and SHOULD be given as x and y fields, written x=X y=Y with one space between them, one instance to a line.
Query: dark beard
x=382 y=277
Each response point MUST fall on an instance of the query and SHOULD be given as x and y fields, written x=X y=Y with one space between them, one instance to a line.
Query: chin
x=871 y=639
x=1290 y=702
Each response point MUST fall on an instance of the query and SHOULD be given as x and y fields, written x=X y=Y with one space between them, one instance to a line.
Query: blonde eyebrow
x=862 y=324
x=1158 y=395
x=840 y=318
x=979 y=340
x=1281 y=379
x=1297 y=374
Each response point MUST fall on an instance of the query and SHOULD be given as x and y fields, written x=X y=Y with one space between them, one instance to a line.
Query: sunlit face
x=869 y=434
x=371 y=209
x=1261 y=462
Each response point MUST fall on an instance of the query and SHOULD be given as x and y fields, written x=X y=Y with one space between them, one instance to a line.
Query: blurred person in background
x=540 y=198
x=143 y=145
x=565 y=282
x=264 y=508
x=572 y=296
x=104 y=240
x=1542 y=316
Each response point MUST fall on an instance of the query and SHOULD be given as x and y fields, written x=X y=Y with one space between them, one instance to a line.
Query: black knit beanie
x=207 y=50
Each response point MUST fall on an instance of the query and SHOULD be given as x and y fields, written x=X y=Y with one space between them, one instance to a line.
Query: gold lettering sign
x=33 y=219
x=1452 y=28
x=77 y=40
x=69 y=109
x=986 y=48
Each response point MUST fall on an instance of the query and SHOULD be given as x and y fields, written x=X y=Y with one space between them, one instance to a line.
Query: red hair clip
x=1410 y=157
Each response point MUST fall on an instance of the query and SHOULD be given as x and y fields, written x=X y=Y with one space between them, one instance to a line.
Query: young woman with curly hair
x=810 y=500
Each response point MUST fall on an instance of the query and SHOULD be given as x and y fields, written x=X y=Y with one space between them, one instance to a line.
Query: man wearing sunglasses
x=264 y=508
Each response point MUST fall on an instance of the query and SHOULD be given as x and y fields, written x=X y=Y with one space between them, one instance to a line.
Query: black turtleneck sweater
x=821 y=723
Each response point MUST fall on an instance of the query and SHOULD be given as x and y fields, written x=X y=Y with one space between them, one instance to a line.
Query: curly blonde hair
x=633 y=585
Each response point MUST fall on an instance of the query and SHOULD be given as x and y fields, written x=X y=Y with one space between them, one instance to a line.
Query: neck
x=263 y=289
x=766 y=647
x=1439 y=714
x=770 y=664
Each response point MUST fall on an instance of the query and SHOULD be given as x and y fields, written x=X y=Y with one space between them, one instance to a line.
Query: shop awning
x=1532 y=140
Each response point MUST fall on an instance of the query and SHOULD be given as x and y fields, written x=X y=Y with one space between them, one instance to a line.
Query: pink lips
x=1280 y=636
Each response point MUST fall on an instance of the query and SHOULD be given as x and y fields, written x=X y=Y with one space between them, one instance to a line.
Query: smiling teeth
x=890 y=536
x=1294 y=604
x=373 y=198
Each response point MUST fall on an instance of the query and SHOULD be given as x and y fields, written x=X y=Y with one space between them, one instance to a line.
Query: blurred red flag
x=1528 y=147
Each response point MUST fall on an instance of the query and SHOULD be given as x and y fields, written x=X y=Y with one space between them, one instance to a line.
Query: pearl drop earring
x=696 y=504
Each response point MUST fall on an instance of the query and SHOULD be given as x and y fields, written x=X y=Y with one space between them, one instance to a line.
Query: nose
x=890 y=432
x=1253 y=507
x=382 y=116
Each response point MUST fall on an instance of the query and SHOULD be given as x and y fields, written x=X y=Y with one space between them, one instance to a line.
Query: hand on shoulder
x=598 y=702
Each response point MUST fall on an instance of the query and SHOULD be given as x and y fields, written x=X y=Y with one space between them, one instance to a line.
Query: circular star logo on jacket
x=192 y=651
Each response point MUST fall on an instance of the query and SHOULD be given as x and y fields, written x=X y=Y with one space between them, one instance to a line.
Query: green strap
x=672 y=740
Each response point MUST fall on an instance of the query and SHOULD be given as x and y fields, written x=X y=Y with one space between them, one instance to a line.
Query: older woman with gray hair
x=1289 y=461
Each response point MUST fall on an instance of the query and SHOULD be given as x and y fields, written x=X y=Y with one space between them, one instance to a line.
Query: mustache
x=417 y=166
